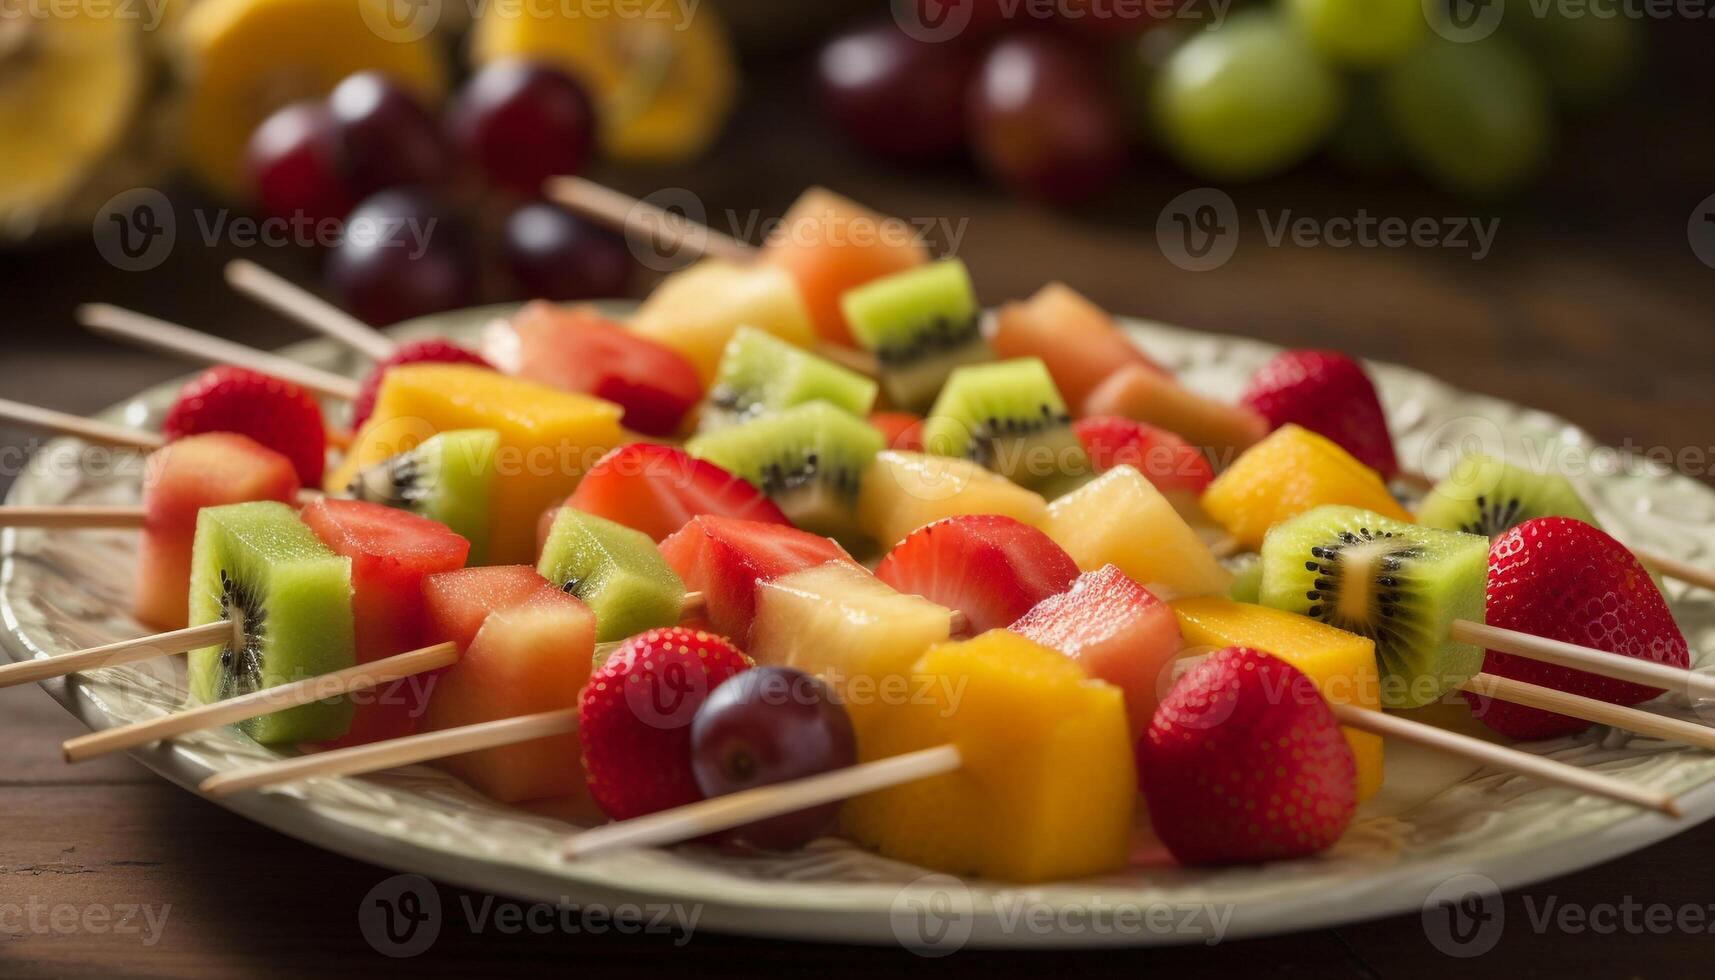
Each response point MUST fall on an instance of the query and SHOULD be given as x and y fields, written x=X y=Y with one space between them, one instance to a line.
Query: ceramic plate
x=1434 y=822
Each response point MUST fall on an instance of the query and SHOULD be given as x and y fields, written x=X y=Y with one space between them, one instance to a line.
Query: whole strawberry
x=415 y=352
x=1329 y=394
x=1565 y=580
x=275 y=413
x=634 y=718
x=1244 y=762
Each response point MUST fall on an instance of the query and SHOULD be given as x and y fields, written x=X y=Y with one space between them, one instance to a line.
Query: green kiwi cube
x=1402 y=585
x=288 y=597
x=615 y=570
x=448 y=478
x=760 y=373
x=1009 y=417
x=1488 y=496
x=1247 y=582
x=920 y=324
x=809 y=459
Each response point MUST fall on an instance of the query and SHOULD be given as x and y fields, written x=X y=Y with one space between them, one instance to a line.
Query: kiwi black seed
x=1009 y=417
x=1488 y=496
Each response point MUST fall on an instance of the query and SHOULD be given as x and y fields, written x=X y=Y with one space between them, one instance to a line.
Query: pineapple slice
x=1048 y=785
x=548 y=437
x=848 y=627
x=1290 y=472
x=697 y=311
x=902 y=491
x=1121 y=519
x=1342 y=664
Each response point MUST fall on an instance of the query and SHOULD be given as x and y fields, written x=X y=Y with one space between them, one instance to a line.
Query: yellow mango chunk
x=1121 y=519
x=1290 y=472
x=548 y=438
x=1342 y=665
x=1048 y=785
x=902 y=491
x=697 y=311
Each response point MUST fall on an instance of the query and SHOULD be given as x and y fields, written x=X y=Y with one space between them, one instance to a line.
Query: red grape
x=293 y=162
x=403 y=253
x=385 y=136
x=554 y=254
x=897 y=96
x=520 y=123
x=768 y=725
x=1043 y=120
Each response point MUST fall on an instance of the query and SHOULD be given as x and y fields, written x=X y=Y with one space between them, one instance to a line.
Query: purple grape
x=403 y=253
x=554 y=254
x=521 y=123
x=770 y=725
x=294 y=167
x=386 y=137
x=897 y=96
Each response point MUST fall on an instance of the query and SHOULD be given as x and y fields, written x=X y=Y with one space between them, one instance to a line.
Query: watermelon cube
x=726 y=559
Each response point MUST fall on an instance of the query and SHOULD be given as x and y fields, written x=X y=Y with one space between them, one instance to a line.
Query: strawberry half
x=656 y=489
x=415 y=352
x=1329 y=394
x=991 y=568
x=1166 y=460
x=1565 y=580
x=1244 y=763
x=275 y=413
x=726 y=559
x=634 y=718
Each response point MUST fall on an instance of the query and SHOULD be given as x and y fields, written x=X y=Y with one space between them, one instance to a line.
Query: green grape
x=1587 y=59
x=1475 y=116
x=1361 y=33
x=1245 y=100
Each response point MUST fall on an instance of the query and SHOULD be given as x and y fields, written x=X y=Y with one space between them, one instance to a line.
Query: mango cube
x=1290 y=472
x=1121 y=519
x=697 y=311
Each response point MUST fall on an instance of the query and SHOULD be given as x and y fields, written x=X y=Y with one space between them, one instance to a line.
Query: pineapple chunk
x=848 y=627
x=697 y=311
x=1121 y=519
x=548 y=437
x=1290 y=472
x=902 y=491
x=1342 y=664
x=1048 y=784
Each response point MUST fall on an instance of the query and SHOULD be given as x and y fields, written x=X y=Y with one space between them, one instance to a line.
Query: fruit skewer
x=309 y=309
x=628 y=215
x=67 y=517
x=78 y=427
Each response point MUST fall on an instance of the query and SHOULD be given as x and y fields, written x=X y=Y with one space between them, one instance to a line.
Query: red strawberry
x=634 y=718
x=415 y=352
x=1329 y=394
x=1162 y=457
x=275 y=413
x=725 y=559
x=991 y=568
x=656 y=489
x=902 y=430
x=1565 y=580
x=1244 y=762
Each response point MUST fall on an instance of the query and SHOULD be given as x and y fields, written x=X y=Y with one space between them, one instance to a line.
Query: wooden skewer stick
x=379 y=756
x=1671 y=567
x=263 y=702
x=285 y=296
x=68 y=517
x=78 y=427
x=155 y=334
x=623 y=213
x=115 y=654
x=1600 y=662
x=1590 y=709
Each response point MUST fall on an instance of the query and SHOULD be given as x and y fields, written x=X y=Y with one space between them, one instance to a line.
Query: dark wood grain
x=1591 y=305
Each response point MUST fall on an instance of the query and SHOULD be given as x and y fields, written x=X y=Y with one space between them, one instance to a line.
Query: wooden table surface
x=1591 y=304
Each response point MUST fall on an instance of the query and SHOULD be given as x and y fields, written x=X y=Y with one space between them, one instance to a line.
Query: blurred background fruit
x=403 y=253
x=519 y=123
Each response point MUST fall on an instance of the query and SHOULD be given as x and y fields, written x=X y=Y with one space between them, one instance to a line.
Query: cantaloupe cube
x=829 y=245
x=1048 y=784
x=902 y=491
x=1121 y=519
x=1078 y=340
x=548 y=438
x=1145 y=394
x=1292 y=471
x=1342 y=665
x=697 y=311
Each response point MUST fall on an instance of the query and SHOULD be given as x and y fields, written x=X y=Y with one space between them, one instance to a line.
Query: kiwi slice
x=448 y=478
x=288 y=598
x=1488 y=496
x=1401 y=585
x=760 y=373
x=615 y=570
x=1009 y=417
x=920 y=324
x=809 y=459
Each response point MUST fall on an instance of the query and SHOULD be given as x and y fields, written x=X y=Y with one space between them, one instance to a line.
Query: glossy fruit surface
x=894 y=95
x=555 y=255
x=520 y=123
x=275 y=413
x=293 y=165
x=1329 y=394
x=433 y=350
x=385 y=136
x=403 y=253
x=656 y=489
x=991 y=568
